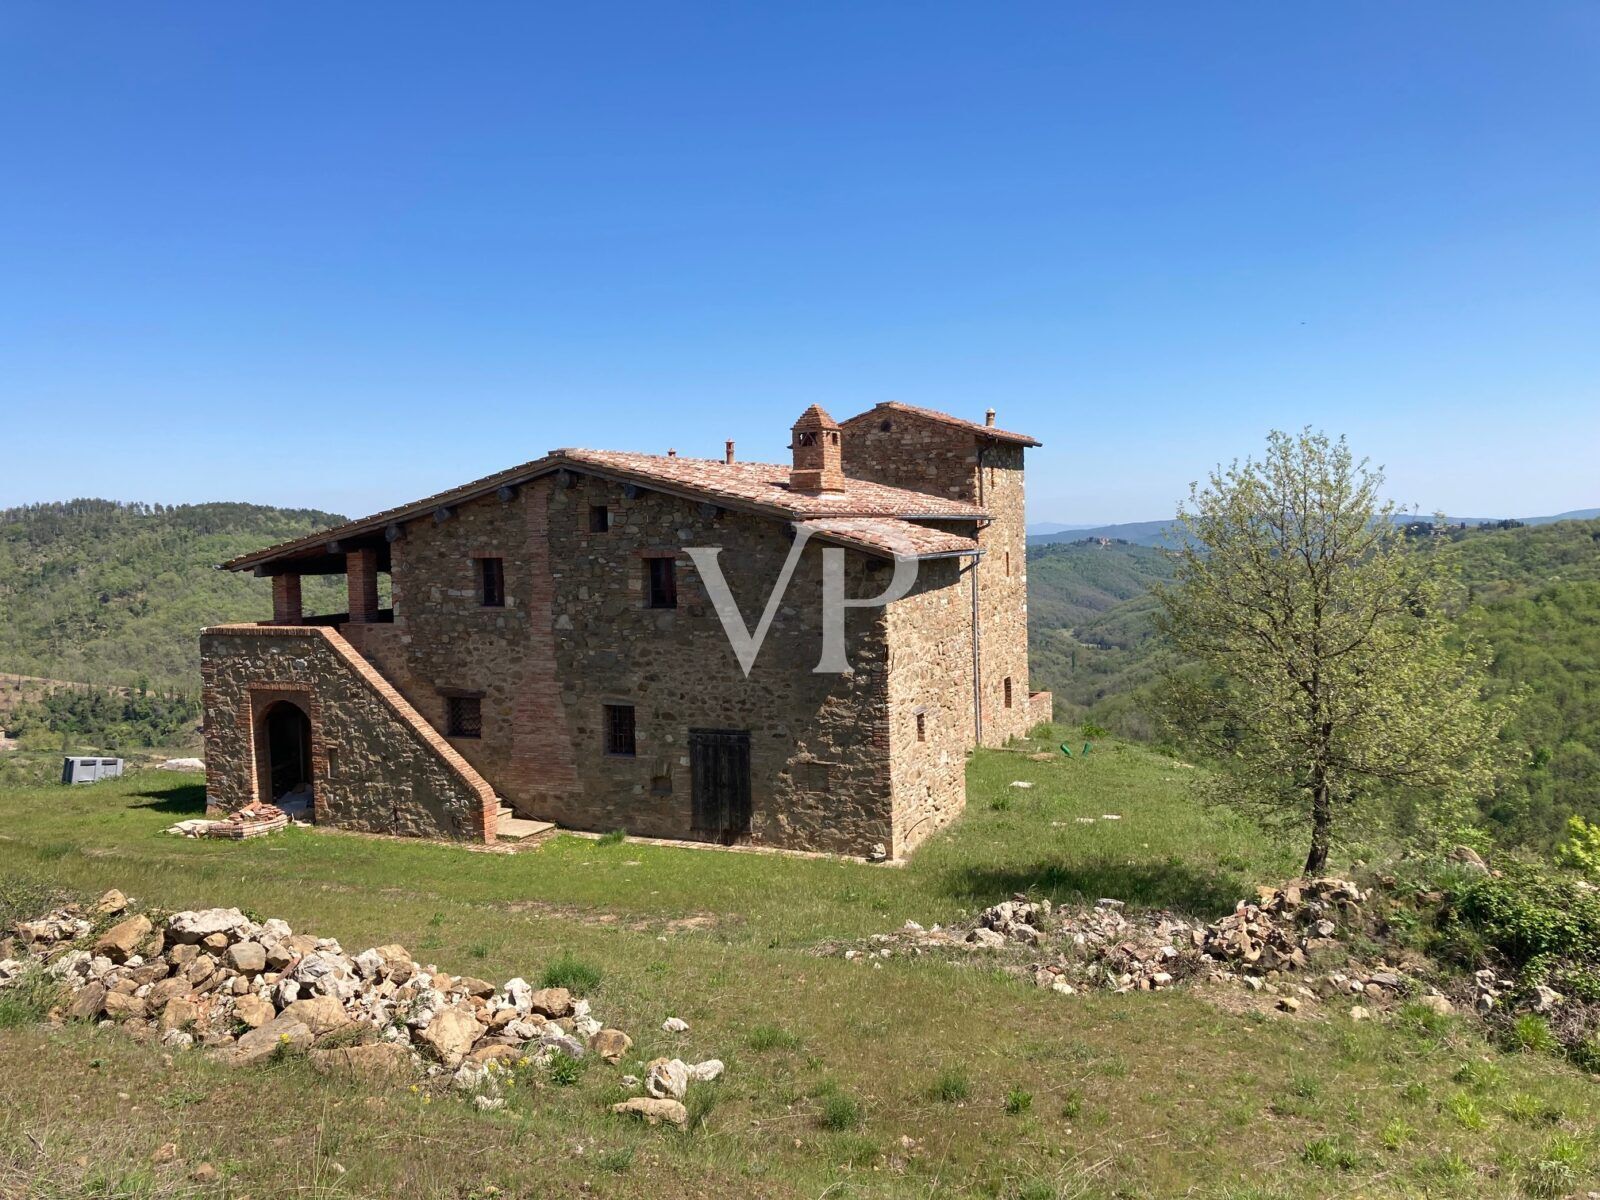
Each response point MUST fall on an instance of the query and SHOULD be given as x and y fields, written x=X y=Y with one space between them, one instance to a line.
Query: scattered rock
x=449 y=1036
x=667 y=1078
x=674 y=1025
x=1436 y=1003
x=252 y=1010
x=654 y=1110
x=121 y=941
x=552 y=1002
x=611 y=1044
x=280 y=1033
x=110 y=904
x=247 y=958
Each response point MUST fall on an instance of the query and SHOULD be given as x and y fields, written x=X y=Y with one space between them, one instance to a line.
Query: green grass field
x=913 y=1078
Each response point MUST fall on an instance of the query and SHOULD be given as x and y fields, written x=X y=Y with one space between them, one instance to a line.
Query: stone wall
x=375 y=765
x=912 y=451
x=1003 y=594
x=819 y=742
x=444 y=641
x=930 y=676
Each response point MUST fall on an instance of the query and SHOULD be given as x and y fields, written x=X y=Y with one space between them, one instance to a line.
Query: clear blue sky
x=343 y=255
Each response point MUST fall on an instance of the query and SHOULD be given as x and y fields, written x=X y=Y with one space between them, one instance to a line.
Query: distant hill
x=1533 y=592
x=103 y=592
x=1140 y=533
x=1161 y=533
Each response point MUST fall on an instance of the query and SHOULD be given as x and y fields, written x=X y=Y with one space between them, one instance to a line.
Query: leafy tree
x=1331 y=668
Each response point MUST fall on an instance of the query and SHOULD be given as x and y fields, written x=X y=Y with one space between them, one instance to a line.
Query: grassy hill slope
x=895 y=1078
x=102 y=592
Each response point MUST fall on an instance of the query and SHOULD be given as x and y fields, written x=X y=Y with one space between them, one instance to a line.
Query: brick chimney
x=817 y=466
x=988 y=418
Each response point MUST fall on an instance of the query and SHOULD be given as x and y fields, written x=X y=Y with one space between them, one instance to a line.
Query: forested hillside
x=1533 y=592
x=103 y=592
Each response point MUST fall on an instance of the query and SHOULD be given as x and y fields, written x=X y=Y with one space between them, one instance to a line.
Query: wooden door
x=719 y=763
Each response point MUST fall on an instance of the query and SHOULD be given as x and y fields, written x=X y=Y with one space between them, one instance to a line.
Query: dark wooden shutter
x=719 y=761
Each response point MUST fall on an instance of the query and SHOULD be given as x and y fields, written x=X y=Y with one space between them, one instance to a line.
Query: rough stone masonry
x=550 y=651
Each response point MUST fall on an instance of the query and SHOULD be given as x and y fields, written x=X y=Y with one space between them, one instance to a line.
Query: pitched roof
x=988 y=431
x=748 y=486
x=889 y=536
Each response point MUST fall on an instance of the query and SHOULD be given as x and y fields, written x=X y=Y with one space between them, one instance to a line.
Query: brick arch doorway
x=284 y=751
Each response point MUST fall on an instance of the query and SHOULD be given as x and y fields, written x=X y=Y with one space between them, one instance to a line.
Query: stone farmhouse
x=549 y=653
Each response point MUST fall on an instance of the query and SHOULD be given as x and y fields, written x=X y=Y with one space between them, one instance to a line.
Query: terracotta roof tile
x=889 y=535
x=757 y=487
x=989 y=431
x=767 y=485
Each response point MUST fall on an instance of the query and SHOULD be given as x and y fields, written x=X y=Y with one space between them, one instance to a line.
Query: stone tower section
x=942 y=455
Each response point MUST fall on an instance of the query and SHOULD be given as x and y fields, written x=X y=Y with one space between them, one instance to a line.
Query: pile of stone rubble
x=256 y=819
x=216 y=979
x=1261 y=945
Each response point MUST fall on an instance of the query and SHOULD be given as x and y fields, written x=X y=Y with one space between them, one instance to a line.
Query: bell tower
x=818 y=463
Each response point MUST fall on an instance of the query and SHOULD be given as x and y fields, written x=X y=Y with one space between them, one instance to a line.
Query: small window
x=599 y=519
x=620 y=730
x=1008 y=691
x=492 y=582
x=922 y=727
x=661 y=583
x=1008 y=564
x=464 y=716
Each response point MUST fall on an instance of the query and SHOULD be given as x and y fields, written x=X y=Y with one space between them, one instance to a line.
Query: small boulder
x=180 y=1013
x=450 y=1035
x=611 y=1044
x=247 y=958
x=1438 y=1004
x=110 y=904
x=705 y=1072
x=261 y=1044
x=88 y=1003
x=121 y=1006
x=551 y=1002
x=253 y=1010
x=320 y=1014
x=189 y=927
x=674 y=1025
x=654 y=1110
x=121 y=941
x=667 y=1078
x=476 y=987
x=1546 y=998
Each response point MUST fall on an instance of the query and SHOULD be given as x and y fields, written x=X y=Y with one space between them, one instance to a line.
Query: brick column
x=286 y=608
x=361 y=573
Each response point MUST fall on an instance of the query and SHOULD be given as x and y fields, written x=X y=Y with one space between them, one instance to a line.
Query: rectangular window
x=922 y=727
x=1008 y=691
x=661 y=583
x=464 y=716
x=492 y=582
x=599 y=519
x=620 y=730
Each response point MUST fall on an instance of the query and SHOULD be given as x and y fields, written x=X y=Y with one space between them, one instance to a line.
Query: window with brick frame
x=464 y=716
x=620 y=737
x=599 y=519
x=661 y=583
x=492 y=582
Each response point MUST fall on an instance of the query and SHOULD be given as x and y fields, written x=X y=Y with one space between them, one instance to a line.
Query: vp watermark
x=746 y=643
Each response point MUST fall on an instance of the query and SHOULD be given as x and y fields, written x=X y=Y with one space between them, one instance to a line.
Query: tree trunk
x=1321 y=831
